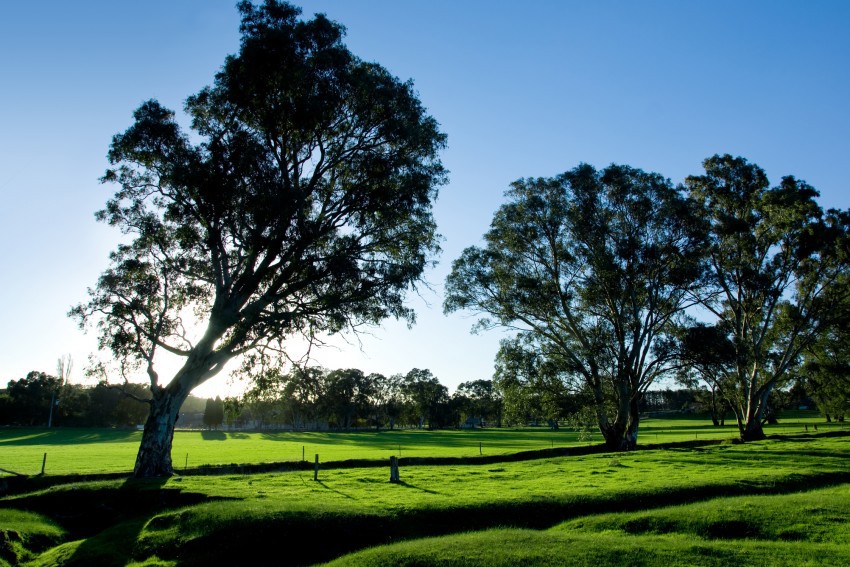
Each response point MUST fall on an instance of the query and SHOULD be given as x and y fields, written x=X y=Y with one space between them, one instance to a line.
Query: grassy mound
x=808 y=528
x=23 y=534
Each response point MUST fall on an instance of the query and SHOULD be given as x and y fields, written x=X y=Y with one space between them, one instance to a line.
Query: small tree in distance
x=305 y=207
x=214 y=413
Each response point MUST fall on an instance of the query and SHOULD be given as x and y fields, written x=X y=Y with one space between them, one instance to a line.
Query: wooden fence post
x=394 y=469
x=43 y=463
x=316 y=468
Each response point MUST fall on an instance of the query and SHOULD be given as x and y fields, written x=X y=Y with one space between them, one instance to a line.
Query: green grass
x=237 y=519
x=807 y=528
x=509 y=547
x=22 y=534
x=87 y=451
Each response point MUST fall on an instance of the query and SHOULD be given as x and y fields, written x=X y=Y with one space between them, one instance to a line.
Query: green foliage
x=778 y=273
x=826 y=371
x=428 y=400
x=29 y=399
x=24 y=534
x=478 y=400
x=591 y=268
x=301 y=204
x=214 y=413
x=533 y=387
x=27 y=402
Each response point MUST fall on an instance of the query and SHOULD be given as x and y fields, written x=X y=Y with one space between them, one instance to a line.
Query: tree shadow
x=408 y=485
x=326 y=487
x=110 y=528
x=213 y=435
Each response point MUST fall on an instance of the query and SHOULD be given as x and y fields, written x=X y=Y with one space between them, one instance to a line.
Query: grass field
x=87 y=451
x=778 y=502
x=783 y=501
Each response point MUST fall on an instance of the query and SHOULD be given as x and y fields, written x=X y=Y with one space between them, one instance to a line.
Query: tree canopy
x=590 y=267
x=777 y=280
x=301 y=203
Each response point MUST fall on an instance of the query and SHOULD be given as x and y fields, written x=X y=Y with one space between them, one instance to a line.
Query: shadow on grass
x=210 y=435
x=408 y=485
x=104 y=524
x=24 y=436
x=326 y=487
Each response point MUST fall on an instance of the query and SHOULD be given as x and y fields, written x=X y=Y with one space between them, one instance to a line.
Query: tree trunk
x=154 y=456
x=749 y=413
x=630 y=435
x=623 y=433
x=752 y=431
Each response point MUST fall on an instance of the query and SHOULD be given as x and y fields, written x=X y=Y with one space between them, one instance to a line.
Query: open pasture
x=779 y=501
x=89 y=451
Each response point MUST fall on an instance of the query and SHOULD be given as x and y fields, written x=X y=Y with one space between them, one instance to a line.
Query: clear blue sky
x=521 y=88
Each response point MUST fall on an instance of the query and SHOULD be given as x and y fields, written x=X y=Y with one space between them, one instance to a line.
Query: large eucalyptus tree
x=591 y=268
x=777 y=280
x=301 y=203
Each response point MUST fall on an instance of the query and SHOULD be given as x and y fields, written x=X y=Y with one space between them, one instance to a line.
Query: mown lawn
x=87 y=451
x=594 y=509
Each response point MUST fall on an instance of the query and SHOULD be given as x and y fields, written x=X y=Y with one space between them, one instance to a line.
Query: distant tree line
x=345 y=399
x=27 y=402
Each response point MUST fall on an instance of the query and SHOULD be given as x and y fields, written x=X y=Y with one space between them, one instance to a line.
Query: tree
x=114 y=406
x=826 y=371
x=427 y=399
x=478 y=398
x=31 y=398
x=63 y=372
x=590 y=267
x=707 y=356
x=386 y=398
x=346 y=397
x=301 y=204
x=775 y=262
x=214 y=413
x=532 y=386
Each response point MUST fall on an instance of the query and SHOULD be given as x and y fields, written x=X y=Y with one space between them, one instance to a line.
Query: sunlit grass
x=509 y=547
x=588 y=509
x=23 y=533
x=357 y=508
x=87 y=451
x=806 y=528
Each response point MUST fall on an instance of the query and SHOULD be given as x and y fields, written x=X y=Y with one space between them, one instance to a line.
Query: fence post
x=316 y=468
x=43 y=462
x=394 y=469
